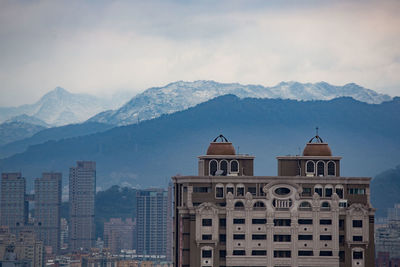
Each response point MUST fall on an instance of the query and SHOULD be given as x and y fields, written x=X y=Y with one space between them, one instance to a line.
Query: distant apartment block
x=118 y=234
x=82 y=192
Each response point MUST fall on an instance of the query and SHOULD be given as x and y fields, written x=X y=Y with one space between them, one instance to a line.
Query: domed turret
x=221 y=147
x=317 y=147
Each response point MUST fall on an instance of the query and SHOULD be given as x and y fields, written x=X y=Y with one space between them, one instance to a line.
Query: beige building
x=308 y=215
x=118 y=234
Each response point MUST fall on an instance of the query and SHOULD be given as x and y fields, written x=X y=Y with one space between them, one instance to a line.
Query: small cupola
x=316 y=147
x=221 y=146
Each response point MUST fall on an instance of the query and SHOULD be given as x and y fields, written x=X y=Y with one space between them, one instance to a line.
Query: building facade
x=308 y=215
x=82 y=193
x=118 y=234
x=47 y=209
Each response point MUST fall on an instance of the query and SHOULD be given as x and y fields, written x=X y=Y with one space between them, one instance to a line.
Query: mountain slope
x=149 y=153
x=11 y=131
x=177 y=96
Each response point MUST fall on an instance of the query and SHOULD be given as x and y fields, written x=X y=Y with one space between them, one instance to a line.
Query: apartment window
x=325 y=237
x=230 y=189
x=234 y=166
x=331 y=168
x=206 y=253
x=325 y=222
x=357 y=255
x=282 y=238
x=282 y=222
x=207 y=222
x=325 y=206
x=259 y=237
x=213 y=167
x=357 y=238
x=321 y=168
x=305 y=237
x=339 y=192
x=258 y=252
x=318 y=190
x=239 y=205
x=356 y=191
x=222 y=238
x=240 y=191
x=306 y=253
x=252 y=190
x=282 y=253
x=357 y=223
x=342 y=256
x=259 y=205
x=328 y=191
x=259 y=221
x=206 y=237
x=219 y=192
x=325 y=253
x=202 y=189
x=239 y=252
x=305 y=221
x=341 y=224
x=310 y=167
x=341 y=239
x=239 y=237
x=239 y=221
x=222 y=254
x=222 y=222
x=305 y=206
x=306 y=192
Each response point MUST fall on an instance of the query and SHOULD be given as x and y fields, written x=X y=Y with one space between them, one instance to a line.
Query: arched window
x=339 y=191
x=259 y=205
x=240 y=190
x=219 y=191
x=305 y=206
x=230 y=188
x=310 y=167
x=318 y=190
x=320 y=168
x=239 y=205
x=331 y=168
x=213 y=167
x=223 y=166
x=328 y=191
x=234 y=166
x=325 y=206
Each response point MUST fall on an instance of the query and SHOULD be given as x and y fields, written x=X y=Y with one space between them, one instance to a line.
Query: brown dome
x=219 y=148
x=317 y=149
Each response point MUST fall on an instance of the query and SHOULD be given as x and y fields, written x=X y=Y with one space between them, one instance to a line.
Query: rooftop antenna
x=238 y=150
x=316 y=130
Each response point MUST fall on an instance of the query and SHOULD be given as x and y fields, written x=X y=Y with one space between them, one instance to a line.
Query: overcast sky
x=100 y=47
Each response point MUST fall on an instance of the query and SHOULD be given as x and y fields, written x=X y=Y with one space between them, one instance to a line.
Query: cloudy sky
x=100 y=47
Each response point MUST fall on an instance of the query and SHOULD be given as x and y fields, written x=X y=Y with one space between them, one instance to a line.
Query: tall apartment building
x=13 y=206
x=82 y=192
x=47 y=209
x=152 y=221
x=118 y=234
x=308 y=215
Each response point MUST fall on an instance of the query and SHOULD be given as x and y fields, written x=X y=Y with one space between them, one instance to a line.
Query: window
x=239 y=205
x=252 y=190
x=357 y=255
x=356 y=191
x=258 y=252
x=231 y=189
x=213 y=167
x=207 y=222
x=206 y=253
x=306 y=192
x=357 y=238
x=305 y=237
x=240 y=190
x=282 y=253
x=201 y=189
x=259 y=205
x=328 y=191
x=341 y=239
x=325 y=237
x=259 y=221
x=282 y=238
x=239 y=252
x=341 y=224
x=238 y=221
x=325 y=206
x=305 y=206
x=318 y=190
x=371 y=219
x=206 y=237
x=325 y=222
x=339 y=191
x=239 y=237
x=331 y=168
x=222 y=238
x=222 y=222
x=234 y=166
x=305 y=221
x=325 y=253
x=342 y=257
x=282 y=191
x=222 y=254
x=310 y=167
x=342 y=203
x=357 y=223
x=259 y=237
x=282 y=222
x=223 y=166
x=219 y=191
x=306 y=253
x=320 y=168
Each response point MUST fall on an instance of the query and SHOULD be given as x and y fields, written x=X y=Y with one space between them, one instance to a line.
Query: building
x=308 y=215
x=82 y=192
x=14 y=205
x=152 y=221
x=47 y=209
x=64 y=234
x=118 y=234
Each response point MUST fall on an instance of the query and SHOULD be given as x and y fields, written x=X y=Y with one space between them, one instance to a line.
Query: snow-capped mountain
x=181 y=95
x=60 y=107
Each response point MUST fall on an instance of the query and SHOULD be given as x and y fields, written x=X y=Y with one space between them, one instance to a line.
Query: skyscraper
x=14 y=207
x=82 y=192
x=47 y=209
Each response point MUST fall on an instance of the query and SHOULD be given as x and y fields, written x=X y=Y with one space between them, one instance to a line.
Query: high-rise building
x=47 y=209
x=14 y=207
x=308 y=215
x=82 y=192
x=118 y=234
x=152 y=221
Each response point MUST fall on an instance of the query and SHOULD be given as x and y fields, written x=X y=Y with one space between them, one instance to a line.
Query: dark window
x=310 y=167
x=305 y=206
x=339 y=192
x=318 y=190
x=325 y=237
x=206 y=253
x=357 y=223
x=224 y=167
x=328 y=192
x=234 y=166
x=341 y=239
x=357 y=255
x=239 y=237
x=325 y=222
x=331 y=168
x=259 y=237
x=258 y=252
x=342 y=257
x=222 y=254
x=259 y=205
x=206 y=237
x=239 y=205
x=306 y=253
x=222 y=222
x=282 y=191
x=306 y=192
x=371 y=219
x=240 y=191
x=356 y=191
x=201 y=189
x=259 y=221
x=213 y=167
x=305 y=237
x=357 y=238
x=341 y=224
x=239 y=221
x=252 y=190
x=321 y=168
x=282 y=238
x=207 y=222
x=219 y=192
x=325 y=206
x=222 y=238
x=239 y=252
x=230 y=189
x=282 y=222
x=305 y=221
x=325 y=253
x=282 y=254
